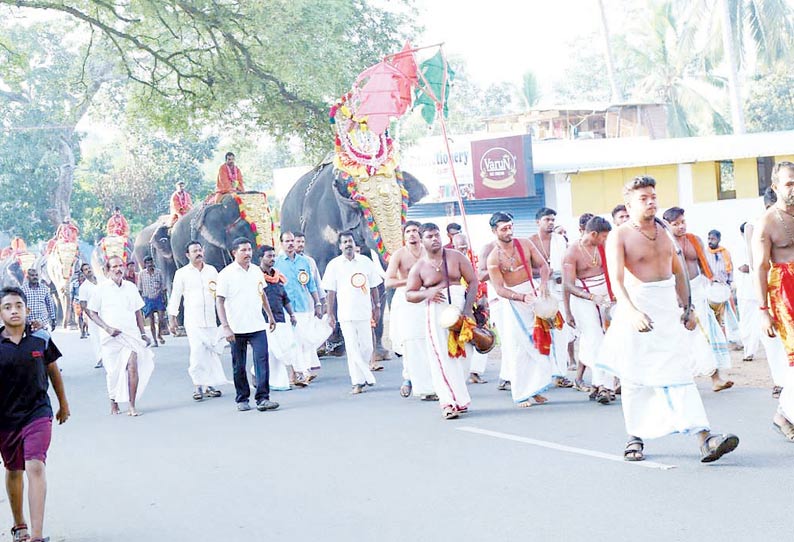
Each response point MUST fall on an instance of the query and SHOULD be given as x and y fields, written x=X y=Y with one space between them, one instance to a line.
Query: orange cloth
x=229 y=180
x=277 y=276
x=117 y=225
x=726 y=257
x=541 y=334
x=66 y=233
x=704 y=263
x=456 y=344
x=180 y=204
x=781 y=301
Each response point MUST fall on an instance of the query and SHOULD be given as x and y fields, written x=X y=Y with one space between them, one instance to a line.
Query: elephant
x=155 y=240
x=320 y=206
x=111 y=245
x=215 y=226
x=11 y=273
x=57 y=268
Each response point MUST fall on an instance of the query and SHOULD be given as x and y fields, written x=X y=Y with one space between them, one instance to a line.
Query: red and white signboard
x=502 y=167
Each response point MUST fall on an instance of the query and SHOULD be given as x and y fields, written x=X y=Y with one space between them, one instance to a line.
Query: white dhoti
x=749 y=325
x=94 y=339
x=478 y=363
x=306 y=358
x=449 y=374
x=786 y=401
x=591 y=322
x=707 y=339
x=282 y=351
x=530 y=371
x=359 y=347
x=416 y=367
x=655 y=367
x=397 y=320
x=560 y=338
x=206 y=345
x=116 y=353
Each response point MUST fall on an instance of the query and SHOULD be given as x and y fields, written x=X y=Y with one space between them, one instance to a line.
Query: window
x=726 y=180
x=765 y=165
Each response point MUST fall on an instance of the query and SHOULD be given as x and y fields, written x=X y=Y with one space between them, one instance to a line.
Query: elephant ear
x=416 y=190
x=349 y=210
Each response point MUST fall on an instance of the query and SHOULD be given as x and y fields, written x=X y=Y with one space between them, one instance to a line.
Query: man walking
x=41 y=307
x=647 y=345
x=196 y=283
x=151 y=285
x=352 y=280
x=84 y=294
x=240 y=297
x=115 y=306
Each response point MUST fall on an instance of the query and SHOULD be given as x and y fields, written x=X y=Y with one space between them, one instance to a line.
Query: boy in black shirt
x=27 y=360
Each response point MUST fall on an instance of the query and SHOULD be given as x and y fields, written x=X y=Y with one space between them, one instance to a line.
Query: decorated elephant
x=322 y=204
x=155 y=240
x=110 y=245
x=216 y=226
x=58 y=267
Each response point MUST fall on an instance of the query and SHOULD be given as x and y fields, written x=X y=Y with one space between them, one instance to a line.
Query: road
x=330 y=466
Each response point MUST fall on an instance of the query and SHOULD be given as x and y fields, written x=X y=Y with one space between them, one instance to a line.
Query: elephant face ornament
x=384 y=195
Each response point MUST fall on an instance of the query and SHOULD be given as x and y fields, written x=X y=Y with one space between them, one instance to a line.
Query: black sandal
x=634 y=454
x=212 y=392
x=726 y=445
x=198 y=396
x=603 y=396
x=17 y=534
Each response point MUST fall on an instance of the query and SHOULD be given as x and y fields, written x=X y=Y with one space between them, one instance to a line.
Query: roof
x=582 y=106
x=568 y=156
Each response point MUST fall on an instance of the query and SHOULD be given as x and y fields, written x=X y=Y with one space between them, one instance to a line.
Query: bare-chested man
x=647 y=344
x=434 y=281
x=552 y=246
x=407 y=320
x=588 y=290
x=510 y=267
x=708 y=328
x=773 y=254
x=578 y=382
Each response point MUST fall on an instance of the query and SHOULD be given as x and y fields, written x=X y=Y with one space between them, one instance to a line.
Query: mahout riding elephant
x=216 y=226
x=155 y=240
x=57 y=269
x=320 y=206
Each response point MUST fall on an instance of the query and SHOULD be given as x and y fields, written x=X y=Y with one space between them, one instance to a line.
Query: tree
x=530 y=90
x=615 y=93
x=770 y=101
x=277 y=63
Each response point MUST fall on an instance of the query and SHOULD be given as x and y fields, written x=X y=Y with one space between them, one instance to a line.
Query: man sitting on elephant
x=230 y=178
x=67 y=231
x=180 y=203
x=117 y=224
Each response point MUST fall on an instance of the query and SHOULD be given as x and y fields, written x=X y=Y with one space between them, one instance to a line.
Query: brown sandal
x=19 y=533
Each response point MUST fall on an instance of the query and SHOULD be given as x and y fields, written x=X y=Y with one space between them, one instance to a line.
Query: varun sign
x=502 y=167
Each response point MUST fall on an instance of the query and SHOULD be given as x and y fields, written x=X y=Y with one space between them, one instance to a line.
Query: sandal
x=212 y=392
x=429 y=397
x=449 y=413
x=727 y=444
x=776 y=391
x=602 y=397
x=405 y=389
x=579 y=385
x=19 y=533
x=504 y=385
x=786 y=429
x=634 y=450
x=198 y=396
x=563 y=382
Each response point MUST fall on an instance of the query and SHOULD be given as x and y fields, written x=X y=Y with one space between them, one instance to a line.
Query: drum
x=483 y=340
x=450 y=317
x=718 y=293
x=546 y=307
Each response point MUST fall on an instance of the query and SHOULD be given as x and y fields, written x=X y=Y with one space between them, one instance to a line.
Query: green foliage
x=530 y=90
x=770 y=101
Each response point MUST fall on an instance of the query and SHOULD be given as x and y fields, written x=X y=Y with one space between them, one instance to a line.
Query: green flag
x=428 y=92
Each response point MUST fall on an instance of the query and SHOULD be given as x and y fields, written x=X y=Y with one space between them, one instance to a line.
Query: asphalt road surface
x=330 y=466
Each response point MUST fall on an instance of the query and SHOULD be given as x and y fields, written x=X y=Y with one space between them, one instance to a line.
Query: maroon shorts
x=29 y=442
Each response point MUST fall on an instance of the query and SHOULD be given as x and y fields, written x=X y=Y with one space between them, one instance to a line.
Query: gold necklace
x=436 y=267
x=511 y=257
x=648 y=237
x=593 y=257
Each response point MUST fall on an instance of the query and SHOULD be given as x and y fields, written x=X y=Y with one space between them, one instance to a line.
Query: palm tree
x=529 y=89
x=616 y=94
x=678 y=73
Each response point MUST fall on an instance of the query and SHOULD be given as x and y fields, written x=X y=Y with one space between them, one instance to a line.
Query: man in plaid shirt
x=151 y=284
x=40 y=304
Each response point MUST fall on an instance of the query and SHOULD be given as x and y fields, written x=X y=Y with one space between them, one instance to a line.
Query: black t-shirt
x=23 y=379
x=278 y=299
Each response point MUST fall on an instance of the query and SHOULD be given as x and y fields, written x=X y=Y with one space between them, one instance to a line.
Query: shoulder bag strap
x=446 y=274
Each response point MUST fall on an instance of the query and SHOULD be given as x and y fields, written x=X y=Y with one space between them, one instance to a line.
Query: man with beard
x=708 y=338
x=619 y=214
x=352 y=280
x=434 y=282
x=41 y=307
x=510 y=267
x=406 y=320
x=773 y=254
x=647 y=344
x=196 y=282
x=84 y=294
x=230 y=178
x=115 y=306
x=590 y=296
x=552 y=247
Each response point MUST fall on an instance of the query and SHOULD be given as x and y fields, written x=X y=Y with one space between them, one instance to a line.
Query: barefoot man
x=586 y=282
x=434 y=282
x=116 y=306
x=708 y=327
x=407 y=320
x=773 y=254
x=510 y=268
x=647 y=344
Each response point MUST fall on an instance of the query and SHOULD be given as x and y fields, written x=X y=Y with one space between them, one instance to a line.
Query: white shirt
x=243 y=291
x=86 y=290
x=352 y=302
x=116 y=305
x=198 y=289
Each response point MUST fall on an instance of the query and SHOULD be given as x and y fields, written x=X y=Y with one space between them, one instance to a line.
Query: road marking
x=564 y=448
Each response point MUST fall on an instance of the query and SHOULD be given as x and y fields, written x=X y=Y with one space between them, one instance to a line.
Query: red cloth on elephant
x=117 y=225
x=180 y=204
x=230 y=179
x=66 y=233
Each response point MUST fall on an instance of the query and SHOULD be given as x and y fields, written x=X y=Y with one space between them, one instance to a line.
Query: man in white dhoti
x=435 y=283
x=479 y=360
x=300 y=248
x=196 y=283
x=773 y=254
x=590 y=297
x=510 y=267
x=708 y=327
x=647 y=344
x=407 y=330
x=494 y=308
x=115 y=307
x=552 y=246
x=351 y=282
x=83 y=296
